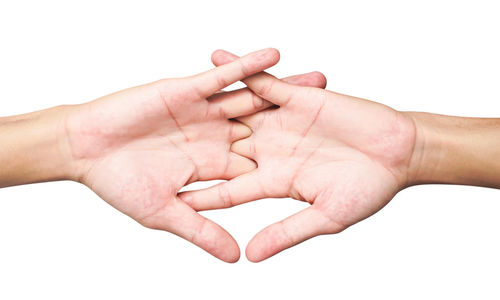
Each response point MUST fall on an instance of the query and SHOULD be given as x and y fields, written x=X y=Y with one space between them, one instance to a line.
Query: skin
x=345 y=156
x=138 y=147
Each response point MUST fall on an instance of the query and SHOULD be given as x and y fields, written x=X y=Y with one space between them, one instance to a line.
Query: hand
x=137 y=148
x=346 y=156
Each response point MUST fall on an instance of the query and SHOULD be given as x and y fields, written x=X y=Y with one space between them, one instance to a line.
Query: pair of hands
x=137 y=148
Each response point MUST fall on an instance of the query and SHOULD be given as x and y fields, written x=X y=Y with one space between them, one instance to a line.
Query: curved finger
x=289 y=232
x=312 y=79
x=243 y=102
x=180 y=219
x=209 y=82
x=237 y=165
x=263 y=84
x=244 y=147
x=242 y=189
x=239 y=103
x=239 y=131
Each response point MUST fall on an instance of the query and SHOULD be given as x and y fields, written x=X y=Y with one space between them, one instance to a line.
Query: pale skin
x=138 y=147
x=345 y=156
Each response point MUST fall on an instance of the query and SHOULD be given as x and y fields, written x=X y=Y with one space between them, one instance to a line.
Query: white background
x=60 y=241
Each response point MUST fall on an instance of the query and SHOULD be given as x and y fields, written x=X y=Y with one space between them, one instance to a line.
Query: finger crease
x=195 y=238
x=286 y=234
x=225 y=196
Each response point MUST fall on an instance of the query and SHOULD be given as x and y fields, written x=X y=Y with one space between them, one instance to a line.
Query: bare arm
x=34 y=148
x=455 y=150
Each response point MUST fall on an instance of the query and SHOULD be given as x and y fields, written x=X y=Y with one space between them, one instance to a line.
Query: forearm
x=34 y=148
x=455 y=150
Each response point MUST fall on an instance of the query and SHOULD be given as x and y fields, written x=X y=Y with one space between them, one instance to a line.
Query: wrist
x=59 y=161
x=427 y=152
x=455 y=150
x=36 y=148
x=73 y=166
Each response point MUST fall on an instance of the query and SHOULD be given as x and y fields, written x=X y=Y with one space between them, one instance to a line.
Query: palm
x=345 y=156
x=346 y=171
x=137 y=148
x=142 y=152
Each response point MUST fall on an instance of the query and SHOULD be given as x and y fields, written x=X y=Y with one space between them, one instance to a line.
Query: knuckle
x=266 y=88
x=221 y=112
x=198 y=234
x=221 y=80
x=245 y=68
x=225 y=196
x=257 y=101
x=289 y=237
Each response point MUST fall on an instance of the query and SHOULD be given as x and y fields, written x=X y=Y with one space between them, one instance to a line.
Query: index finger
x=244 y=102
x=263 y=84
x=209 y=82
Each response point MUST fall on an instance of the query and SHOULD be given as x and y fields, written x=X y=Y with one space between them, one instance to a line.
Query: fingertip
x=238 y=165
x=255 y=254
x=221 y=244
x=320 y=79
x=268 y=56
x=215 y=55
x=235 y=257
x=239 y=131
x=186 y=197
x=232 y=253
x=263 y=59
x=252 y=255
x=274 y=54
x=244 y=148
x=261 y=246
x=312 y=79
x=197 y=199
x=221 y=57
